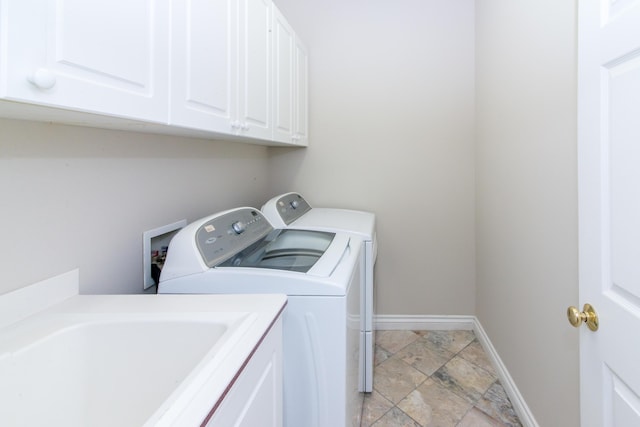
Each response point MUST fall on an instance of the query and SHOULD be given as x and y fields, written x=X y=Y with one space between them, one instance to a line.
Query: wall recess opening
x=154 y=248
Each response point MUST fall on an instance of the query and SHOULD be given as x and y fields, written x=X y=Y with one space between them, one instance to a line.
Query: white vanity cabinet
x=290 y=71
x=256 y=399
x=99 y=57
x=221 y=58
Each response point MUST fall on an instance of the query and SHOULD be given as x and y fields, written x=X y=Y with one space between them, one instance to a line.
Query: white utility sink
x=117 y=360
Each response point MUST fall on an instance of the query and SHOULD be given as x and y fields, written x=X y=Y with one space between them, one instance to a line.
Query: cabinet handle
x=245 y=126
x=235 y=125
x=42 y=78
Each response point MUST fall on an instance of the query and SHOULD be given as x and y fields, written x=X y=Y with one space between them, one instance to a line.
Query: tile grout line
x=469 y=399
x=497 y=380
x=393 y=405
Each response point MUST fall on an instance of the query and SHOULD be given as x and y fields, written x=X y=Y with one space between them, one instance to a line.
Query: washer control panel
x=291 y=207
x=221 y=237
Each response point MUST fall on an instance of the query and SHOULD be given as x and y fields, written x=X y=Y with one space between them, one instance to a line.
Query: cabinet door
x=204 y=64
x=254 y=66
x=283 y=78
x=104 y=57
x=256 y=399
x=301 y=95
x=290 y=90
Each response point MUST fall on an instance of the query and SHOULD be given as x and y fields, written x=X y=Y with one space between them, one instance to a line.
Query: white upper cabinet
x=204 y=64
x=100 y=57
x=290 y=71
x=192 y=67
x=221 y=59
x=283 y=75
x=301 y=95
x=254 y=89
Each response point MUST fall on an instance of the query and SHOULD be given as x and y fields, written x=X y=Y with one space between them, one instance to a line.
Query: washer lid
x=221 y=236
x=244 y=238
x=291 y=250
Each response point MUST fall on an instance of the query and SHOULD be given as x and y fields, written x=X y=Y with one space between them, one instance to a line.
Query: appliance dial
x=295 y=204
x=238 y=227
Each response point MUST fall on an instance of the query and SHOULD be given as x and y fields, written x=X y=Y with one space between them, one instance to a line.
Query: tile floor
x=434 y=378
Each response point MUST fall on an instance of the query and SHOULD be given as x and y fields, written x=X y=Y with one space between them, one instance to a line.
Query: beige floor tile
x=393 y=341
x=396 y=418
x=496 y=404
x=435 y=378
x=464 y=378
x=394 y=379
x=375 y=406
x=433 y=405
x=477 y=418
x=453 y=341
x=475 y=354
x=380 y=355
x=424 y=356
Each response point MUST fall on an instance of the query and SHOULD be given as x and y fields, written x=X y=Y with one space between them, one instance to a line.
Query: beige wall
x=526 y=185
x=393 y=88
x=391 y=125
x=75 y=197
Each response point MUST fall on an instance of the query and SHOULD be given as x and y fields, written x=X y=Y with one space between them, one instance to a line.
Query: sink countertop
x=250 y=317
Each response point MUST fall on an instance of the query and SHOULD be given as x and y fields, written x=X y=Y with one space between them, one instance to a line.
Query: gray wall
x=391 y=125
x=526 y=182
x=74 y=197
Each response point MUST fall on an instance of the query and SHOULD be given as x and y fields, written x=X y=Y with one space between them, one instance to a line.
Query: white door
x=108 y=57
x=204 y=64
x=609 y=209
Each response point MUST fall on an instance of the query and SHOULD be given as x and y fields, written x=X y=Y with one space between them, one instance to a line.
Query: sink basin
x=131 y=365
x=126 y=360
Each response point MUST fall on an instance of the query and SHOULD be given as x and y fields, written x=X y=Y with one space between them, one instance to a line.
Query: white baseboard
x=423 y=323
x=468 y=323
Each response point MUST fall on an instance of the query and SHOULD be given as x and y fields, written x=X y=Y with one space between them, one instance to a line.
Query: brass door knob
x=588 y=315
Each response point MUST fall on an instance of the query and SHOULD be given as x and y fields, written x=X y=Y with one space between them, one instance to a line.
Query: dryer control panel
x=291 y=207
x=223 y=236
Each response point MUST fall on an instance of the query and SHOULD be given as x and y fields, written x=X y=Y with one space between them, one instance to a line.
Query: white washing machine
x=238 y=251
x=291 y=210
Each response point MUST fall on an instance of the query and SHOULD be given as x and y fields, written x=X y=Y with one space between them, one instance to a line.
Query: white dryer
x=238 y=251
x=291 y=210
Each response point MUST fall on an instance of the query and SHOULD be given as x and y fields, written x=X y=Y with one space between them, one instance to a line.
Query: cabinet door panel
x=105 y=57
x=290 y=84
x=256 y=397
x=204 y=55
x=86 y=43
x=255 y=68
x=283 y=78
x=301 y=103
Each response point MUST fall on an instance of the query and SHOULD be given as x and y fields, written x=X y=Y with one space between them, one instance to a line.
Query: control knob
x=238 y=227
x=294 y=204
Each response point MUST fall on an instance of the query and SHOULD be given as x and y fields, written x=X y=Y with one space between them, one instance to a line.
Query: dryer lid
x=282 y=210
